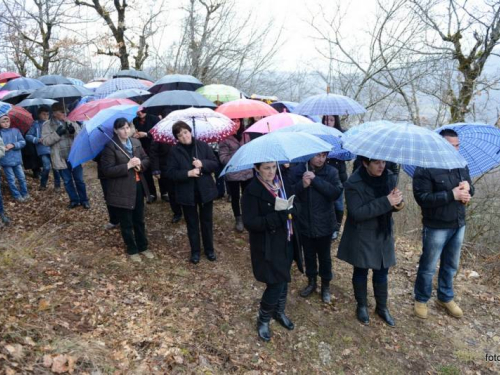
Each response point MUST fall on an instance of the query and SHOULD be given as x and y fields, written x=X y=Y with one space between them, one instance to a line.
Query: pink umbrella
x=146 y=83
x=275 y=122
x=243 y=108
x=3 y=93
x=7 y=76
x=88 y=110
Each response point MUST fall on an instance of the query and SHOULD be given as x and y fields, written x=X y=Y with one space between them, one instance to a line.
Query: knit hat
x=4 y=109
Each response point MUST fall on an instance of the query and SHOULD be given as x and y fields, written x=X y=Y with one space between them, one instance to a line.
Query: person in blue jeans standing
x=3 y=218
x=34 y=136
x=442 y=194
x=58 y=133
x=12 y=162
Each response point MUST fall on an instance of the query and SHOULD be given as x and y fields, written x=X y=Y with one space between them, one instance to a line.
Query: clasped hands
x=196 y=171
x=462 y=192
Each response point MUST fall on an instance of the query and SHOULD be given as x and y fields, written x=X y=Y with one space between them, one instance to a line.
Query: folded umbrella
x=220 y=93
x=329 y=104
x=23 y=84
x=176 y=82
x=116 y=84
x=173 y=100
x=88 y=110
x=21 y=119
x=17 y=96
x=274 y=122
x=55 y=79
x=137 y=95
x=243 y=108
x=7 y=76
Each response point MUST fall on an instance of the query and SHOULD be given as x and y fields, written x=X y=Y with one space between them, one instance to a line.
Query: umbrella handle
x=137 y=169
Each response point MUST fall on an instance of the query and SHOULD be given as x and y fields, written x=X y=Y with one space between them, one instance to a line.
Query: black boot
x=311 y=287
x=360 y=293
x=326 y=296
x=381 y=293
x=279 y=313
x=265 y=313
x=195 y=258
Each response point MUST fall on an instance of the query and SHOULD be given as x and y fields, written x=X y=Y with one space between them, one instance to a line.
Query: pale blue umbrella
x=23 y=84
x=137 y=95
x=329 y=104
x=276 y=147
x=116 y=84
x=479 y=145
x=55 y=79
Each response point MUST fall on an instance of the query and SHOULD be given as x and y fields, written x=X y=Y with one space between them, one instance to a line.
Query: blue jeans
x=11 y=173
x=74 y=184
x=444 y=245
x=1 y=199
x=44 y=177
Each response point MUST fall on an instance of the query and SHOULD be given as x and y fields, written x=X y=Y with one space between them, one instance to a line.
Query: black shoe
x=279 y=313
x=211 y=256
x=73 y=205
x=86 y=205
x=176 y=219
x=326 y=296
x=165 y=198
x=265 y=313
x=195 y=258
x=360 y=293
x=310 y=288
x=381 y=293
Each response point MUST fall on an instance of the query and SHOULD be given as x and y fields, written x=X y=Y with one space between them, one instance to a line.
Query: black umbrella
x=176 y=99
x=67 y=94
x=176 y=82
x=17 y=96
x=55 y=79
x=137 y=74
x=137 y=95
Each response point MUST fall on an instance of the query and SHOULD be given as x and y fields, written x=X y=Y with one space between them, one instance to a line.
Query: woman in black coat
x=123 y=163
x=190 y=165
x=367 y=241
x=273 y=245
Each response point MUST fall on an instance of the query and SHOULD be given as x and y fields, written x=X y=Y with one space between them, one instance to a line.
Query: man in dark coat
x=317 y=188
x=442 y=194
x=143 y=123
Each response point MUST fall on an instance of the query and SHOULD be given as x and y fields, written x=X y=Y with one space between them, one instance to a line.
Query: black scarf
x=381 y=187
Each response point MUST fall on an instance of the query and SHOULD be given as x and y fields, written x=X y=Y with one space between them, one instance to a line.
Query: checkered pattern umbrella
x=329 y=104
x=479 y=145
x=4 y=108
x=116 y=84
x=20 y=119
x=405 y=144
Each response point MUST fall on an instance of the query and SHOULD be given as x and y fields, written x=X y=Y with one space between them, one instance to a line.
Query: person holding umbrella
x=367 y=241
x=58 y=133
x=190 y=165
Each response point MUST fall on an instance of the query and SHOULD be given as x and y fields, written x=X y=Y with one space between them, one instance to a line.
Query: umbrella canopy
x=220 y=93
x=55 y=79
x=7 y=76
x=208 y=126
x=16 y=96
x=405 y=144
x=64 y=93
x=32 y=105
x=97 y=132
x=275 y=122
x=137 y=95
x=284 y=106
x=23 y=84
x=329 y=104
x=328 y=134
x=176 y=82
x=75 y=81
x=479 y=145
x=243 y=108
x=177 y=99
x=21 y=119
x=93 y=85
x=116 y=84
x=277 y=147
x=136 y=74
x=146 y=82
x=3 y=93
x=89 y=110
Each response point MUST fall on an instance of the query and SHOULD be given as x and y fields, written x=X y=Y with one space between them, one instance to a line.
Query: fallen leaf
x=59 y=364
x=43 y=305
x=47 y=360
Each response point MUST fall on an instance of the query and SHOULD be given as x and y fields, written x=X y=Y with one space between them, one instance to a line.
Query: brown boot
x=451 y=308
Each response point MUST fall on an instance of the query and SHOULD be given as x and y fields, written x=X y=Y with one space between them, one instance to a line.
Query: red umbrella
x=7 y=76
x=88 y=110
x=243 y=108
x=20 y=119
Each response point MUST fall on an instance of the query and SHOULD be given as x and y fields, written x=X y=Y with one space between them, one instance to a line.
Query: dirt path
x=70 y=301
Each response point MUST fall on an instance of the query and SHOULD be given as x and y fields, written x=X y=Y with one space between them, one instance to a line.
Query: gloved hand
x=71 y=128
x=61 y=130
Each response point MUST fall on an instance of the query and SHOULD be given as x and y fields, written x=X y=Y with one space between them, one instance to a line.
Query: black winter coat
x=341 y=168
x=151 y=121
x=432 y=189
x=389 y=165
x=362 y=245
x=317 y=213
x=271 y=253
x=121 y=180
x=159 y=157
x=180 y=163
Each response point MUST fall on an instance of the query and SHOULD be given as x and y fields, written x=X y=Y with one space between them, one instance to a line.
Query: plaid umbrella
x=329 y=104
x=116 y=84
x=176 y=82
x=7 y=76
x=4 y=108
x=479 y=145
x=404 y=144
x=20 y=119
x=23 y=84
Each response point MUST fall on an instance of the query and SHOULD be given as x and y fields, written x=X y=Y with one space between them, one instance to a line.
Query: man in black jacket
x=442 y=194
x=316 y=189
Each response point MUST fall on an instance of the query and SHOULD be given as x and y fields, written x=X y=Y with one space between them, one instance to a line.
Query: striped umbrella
x=329 y=104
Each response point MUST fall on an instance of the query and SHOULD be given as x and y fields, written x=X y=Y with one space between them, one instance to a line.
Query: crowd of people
x=187 y=175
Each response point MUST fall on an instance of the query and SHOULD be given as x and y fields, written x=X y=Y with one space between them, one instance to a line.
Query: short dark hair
x=367 y=160
x=178 y=126
x=58 y=107
x=43 y=109
x=120 y=123
x=448 y=133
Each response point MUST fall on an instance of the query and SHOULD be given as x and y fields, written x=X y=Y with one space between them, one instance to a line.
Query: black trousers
x=196 y=216
x=273 y=293
x=132 y=224
x=318 y=249
x=167 y=186
x=113 y=217
x=234 y=188
x=148 y=175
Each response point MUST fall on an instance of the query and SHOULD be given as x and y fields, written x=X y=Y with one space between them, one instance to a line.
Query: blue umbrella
x=404 y=144
x=116 y=84
x=23 y=84
x=479 y=145
x=366 y=125
x=277 y=147
x=329 y=104
x=176 y=99
x=285 y=106
x=55 y=79
x=75 y=81
x=330 y=135
x=97 y=132
x=137 y=95
x=176 y=82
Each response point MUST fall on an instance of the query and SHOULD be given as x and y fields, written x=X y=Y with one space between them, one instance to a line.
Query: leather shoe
x=211 y=256
x=195 y=258
x=176 y=219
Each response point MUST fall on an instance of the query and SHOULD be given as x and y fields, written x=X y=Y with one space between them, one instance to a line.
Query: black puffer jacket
x=432 y=189
x=317 y=216
x=340 y=166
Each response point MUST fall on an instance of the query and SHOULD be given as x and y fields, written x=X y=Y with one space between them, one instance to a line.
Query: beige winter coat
x=59 y=145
